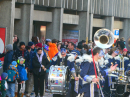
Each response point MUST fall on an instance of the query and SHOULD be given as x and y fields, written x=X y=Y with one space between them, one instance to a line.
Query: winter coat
x=8 y=59
x=18 y=53
x=36 y=65
x=53 y=50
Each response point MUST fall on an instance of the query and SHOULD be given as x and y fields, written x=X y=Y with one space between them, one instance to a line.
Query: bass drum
x=58 y=80
x=120 y=91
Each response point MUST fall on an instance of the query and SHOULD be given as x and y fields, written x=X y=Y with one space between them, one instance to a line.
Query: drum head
x=120 y=89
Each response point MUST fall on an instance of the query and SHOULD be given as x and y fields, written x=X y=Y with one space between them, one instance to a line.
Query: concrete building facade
x=27 y=17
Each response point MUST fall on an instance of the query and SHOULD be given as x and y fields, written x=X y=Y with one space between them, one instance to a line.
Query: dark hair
x=112 y=50
x=39 y=49
x=96 y=50
x=72 y=44
x=34 y=39
x=54 y=41
x=28 y=47
x=122 y=45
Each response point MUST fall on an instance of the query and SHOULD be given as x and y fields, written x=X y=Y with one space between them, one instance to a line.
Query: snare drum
x=58 y=81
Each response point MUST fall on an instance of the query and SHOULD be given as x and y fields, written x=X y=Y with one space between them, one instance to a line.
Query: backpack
x=22 y=73
x=11 y=75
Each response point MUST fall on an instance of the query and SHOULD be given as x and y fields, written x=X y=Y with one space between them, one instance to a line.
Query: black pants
x=39 y=83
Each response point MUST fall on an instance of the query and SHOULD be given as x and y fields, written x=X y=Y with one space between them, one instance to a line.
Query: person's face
x=83 y=43
x=21 y=62
x=39 y=52
x=63 y=54
x=78 y=49
x=48 y=43
x=66 y=43
x=45 y=51
x=33 y=46
x=29 y=50
x=99 y=57
x=70 y=47
x=22 y=47
x=115 y=54
x=76 y=56
x=15 y=39
x=6 y=77
x=59 y=47
x=124 y=52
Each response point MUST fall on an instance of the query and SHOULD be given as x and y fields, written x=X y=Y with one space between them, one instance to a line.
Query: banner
x=2 y=41
x=71 y=36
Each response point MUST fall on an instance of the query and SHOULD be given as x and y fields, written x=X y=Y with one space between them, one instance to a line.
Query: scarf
x=40 y=58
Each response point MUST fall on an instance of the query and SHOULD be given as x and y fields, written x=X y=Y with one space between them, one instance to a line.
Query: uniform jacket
x=88 y=70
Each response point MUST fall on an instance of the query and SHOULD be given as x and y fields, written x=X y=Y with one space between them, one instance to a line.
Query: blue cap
x=4 y=75
x=48 y=40
x=30 y=43
x=14 y=63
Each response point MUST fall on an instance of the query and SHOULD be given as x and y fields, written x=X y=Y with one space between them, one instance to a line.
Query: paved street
x=46 y=95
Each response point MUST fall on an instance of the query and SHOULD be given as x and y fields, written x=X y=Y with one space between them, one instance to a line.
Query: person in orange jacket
x=53 y=51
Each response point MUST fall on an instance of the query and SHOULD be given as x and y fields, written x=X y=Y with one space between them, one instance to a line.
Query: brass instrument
x=104 y=38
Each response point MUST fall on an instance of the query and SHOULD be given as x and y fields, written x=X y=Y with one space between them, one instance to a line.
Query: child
x=22 y=76
x=4 y=85
x=12 y=76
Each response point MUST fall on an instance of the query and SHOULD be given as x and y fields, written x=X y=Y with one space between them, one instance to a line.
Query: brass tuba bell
x=104 y=38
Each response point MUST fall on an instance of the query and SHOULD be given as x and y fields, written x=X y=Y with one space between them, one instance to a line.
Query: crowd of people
x=27 y=66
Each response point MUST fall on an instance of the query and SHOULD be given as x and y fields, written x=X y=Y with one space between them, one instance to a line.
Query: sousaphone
x=104 y=38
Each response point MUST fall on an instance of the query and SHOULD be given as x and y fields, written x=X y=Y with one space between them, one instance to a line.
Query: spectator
x=8 y=57
x=83 y=42
x=40 y=65
x=38 y=45
x=4 y=86
x=12 y=76
x=71 y=48
x=15 y=42
x=85 y=49
x=53 y=49
x=46 y=49
x=79 y=48
x=30 y=81
x=58 y=46
x=22 y=76
x=121 y=46
x=22 y=52
x=2 y=55
x=31 y=44
x=66 y=44
x=125 y=52
x=48 y=41
x=35 y=40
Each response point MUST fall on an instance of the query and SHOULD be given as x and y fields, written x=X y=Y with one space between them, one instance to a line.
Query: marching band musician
x=88 y=73
x=76 y=85
x=111 y=59
x=66 y=60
